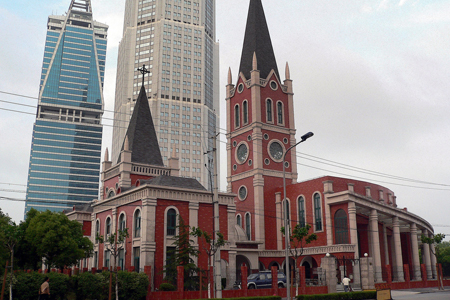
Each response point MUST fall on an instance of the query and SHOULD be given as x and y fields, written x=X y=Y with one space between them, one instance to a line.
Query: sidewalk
x=400 y=293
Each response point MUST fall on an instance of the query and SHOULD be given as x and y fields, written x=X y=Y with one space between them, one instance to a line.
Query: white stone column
x=354 y=239
x=373 y=222
x=193 y=222
x=433 y=261
x=329 y=226
x=427 y=258
x=112 y=259
x=398 y=267
x=415 y=252
x=148 y=232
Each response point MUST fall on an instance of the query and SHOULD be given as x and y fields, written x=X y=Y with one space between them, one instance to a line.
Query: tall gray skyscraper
x=67 y=135
x=176 y=41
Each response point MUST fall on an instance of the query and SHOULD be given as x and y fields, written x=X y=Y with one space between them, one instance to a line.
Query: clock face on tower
x=276 y=151
x=242 y=153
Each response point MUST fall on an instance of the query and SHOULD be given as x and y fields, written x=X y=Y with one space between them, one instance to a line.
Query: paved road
x=413 y=295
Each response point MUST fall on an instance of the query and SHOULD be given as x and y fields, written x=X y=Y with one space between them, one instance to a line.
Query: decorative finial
x=230 y=78
x=106 y=154
x=144 y=71
x=255 y=62
x=126 y=145
x=288 y=72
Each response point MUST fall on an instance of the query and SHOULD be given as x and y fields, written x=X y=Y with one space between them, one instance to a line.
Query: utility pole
x=217 y=264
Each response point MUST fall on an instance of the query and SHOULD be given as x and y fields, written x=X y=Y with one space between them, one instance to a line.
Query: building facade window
x=137 y=258
x=238 y=220
x=121 y=259
x=248 y=226
x=341 y=227
x=317 y=212
x=108 y=226
x=280 y=112
x=122 y=222
x=237 y=116
x=301 y=211
x=245 y=112
x=171 y=222
x=97 y=230
x=269 y=110
x=107 y=258
x=137 y=224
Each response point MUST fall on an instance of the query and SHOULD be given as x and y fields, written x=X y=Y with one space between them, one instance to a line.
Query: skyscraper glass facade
x=67 y=135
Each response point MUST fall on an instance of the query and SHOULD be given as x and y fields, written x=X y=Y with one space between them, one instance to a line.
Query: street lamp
x=286 y=223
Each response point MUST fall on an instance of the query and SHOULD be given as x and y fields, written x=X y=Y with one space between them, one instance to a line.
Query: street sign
x=383 y=291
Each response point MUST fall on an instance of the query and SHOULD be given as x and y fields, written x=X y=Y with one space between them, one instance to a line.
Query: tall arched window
x=238 y=220
x=280 y=112
x=317 y=212
x=97 y=230
x=269 y=110
x=122 y=222
x=171 y=221
x=108 y=226
x=340 y=227
x=137 y=223
x=236 y=116
x=301 y=211
x=245 y=112
x=248 y=226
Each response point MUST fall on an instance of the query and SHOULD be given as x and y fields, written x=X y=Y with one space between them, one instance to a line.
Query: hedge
x=85 y=286
x=341 y=296
x=252 y=298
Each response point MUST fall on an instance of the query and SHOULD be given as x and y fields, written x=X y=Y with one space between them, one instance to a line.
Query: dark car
x=263 y=280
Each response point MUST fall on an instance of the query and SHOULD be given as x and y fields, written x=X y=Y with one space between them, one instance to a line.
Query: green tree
x=115 y=243
x=57 y=240
x=299 y=238
x=182 y=255
x=435 y=239
x=26 y=253
x=211 y=246
x=443 y=257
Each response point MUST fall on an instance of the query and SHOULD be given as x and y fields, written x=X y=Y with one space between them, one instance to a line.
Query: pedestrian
x=44 y=291
x=346 y=283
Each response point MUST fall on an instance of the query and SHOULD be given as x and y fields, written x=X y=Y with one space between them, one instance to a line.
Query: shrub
x=167 y=287
x=341 y=296
x=88 y=286
x=132 y=286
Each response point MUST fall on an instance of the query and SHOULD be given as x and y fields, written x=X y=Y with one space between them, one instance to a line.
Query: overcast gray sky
x=371 y=80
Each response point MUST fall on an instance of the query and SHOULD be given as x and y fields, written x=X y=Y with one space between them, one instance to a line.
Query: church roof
x=257 y=39
x=142 y=139
x=176 y=182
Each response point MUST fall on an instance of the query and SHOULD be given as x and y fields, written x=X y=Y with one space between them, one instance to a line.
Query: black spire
x=142 y=139
x=257 y=39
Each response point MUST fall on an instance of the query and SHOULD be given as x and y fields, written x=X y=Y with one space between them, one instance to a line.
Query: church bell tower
x=260 y=126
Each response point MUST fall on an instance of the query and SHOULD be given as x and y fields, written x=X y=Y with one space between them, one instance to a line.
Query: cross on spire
x=143 y=71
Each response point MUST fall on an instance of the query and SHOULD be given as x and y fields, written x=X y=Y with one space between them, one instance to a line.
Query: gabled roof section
x=142 y=139
x=175 y=182
x=257 y=40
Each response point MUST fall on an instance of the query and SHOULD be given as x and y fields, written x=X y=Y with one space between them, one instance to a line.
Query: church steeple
x=141 y=137
x=257 y=40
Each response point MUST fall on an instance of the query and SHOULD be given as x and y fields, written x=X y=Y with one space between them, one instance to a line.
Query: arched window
x=171 y=221
x=287 y=207
x=301 y=211
x=280 y=112
x=340 y=227
x=97 y=230
x=111 y=194
x=245 y=112
x=236 y=116
x=248 y=226
x=317 y=212
x=122 y=222
x=238 y=220
x=108 y=227
x=137 y=223
x=269 y=110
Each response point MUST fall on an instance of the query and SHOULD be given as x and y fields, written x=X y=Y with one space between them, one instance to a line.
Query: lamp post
x=286 y=222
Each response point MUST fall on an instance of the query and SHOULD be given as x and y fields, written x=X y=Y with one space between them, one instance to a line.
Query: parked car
x=263 y=280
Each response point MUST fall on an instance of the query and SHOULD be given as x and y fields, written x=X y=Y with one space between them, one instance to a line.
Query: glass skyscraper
x=176 y=40
x=67 y=135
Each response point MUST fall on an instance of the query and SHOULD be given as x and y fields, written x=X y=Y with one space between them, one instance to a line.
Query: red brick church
x=351 y=218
